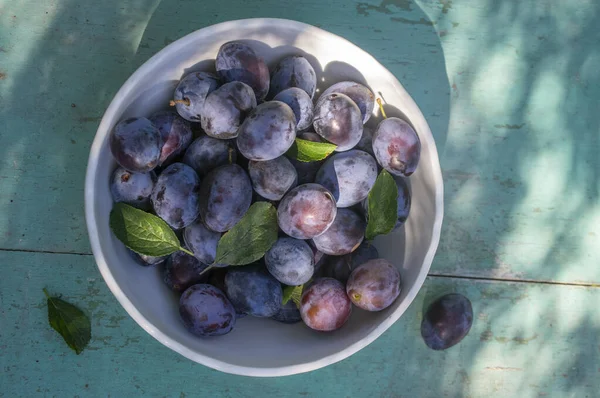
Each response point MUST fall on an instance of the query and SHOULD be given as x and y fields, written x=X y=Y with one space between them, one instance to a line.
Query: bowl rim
x=226 y=367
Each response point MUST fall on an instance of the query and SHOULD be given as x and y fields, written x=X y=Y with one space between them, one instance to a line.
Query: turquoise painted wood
x=511 y=90
x=527 y=340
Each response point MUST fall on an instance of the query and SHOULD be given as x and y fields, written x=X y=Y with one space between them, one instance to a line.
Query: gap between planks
x=431 y=274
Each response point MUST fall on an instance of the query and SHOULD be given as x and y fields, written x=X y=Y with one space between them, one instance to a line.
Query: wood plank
x=510 y=91
x=528 y=340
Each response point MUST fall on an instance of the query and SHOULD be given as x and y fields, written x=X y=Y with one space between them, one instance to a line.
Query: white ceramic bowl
x=261 y=347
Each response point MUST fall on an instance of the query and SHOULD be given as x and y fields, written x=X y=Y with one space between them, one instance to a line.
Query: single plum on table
x=362 y=96
x=225 y=196
x=306 y=211
x=132 y=188
x=397 y=146
x=237 y=61
x=271 y=179
x=191 y=93
x=176 y=133
x=253 y=291
x=338 y=120
x=447 y=321
x=175 y=197
x=206 y=153
x=136 y=144
x=344 y=235
x=206 y=311
x=374 y=285
x=294 y=71
x=324 y=305
x=301 y=104
x=349 y=176
x=182 y=271
x=268 y=132
x=290 y=261
x=226 y=108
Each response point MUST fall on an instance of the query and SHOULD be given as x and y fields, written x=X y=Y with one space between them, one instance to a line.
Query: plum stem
x=381 y=108
x=205 y=270
x=230 y=155
x=185 y=101
x=183 y=249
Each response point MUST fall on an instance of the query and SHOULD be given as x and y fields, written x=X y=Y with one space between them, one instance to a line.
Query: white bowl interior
x=261 y=347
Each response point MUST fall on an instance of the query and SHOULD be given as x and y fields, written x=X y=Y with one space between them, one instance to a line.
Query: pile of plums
x=223 y=144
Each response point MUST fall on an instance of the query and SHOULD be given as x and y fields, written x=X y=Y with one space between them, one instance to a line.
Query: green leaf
x=251 y=237
x=383 y=206
x=294 y=293
x=143 y=232
x=70 y=322
x=309 y=151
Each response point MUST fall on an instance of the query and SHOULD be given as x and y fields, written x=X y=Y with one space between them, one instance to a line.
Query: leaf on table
x=251 y=237
x=383 y=206
x=309 y=151
x=293 y=293
x=143 y=232
x=70 y=322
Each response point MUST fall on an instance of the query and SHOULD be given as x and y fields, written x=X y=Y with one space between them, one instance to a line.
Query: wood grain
x=527 y=340
x=508 y=89
x=511 y=90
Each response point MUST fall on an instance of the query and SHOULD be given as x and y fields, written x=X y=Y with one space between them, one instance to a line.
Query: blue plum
x=374 y=285
x=216 y=277
x=301 y=104
x=207 y=153
x=175 y=196
x=344 y=235
x=307 y=171
x=237 y=61
x=176 y=133
x=191 y=92
x=132 y=188
x=206 y=311
x=271 y=179
x=349 y=176
x=324 y=305
x=268 y=132
x=397 y=146
x=365 y=252
x=404 y=201
x=338 y=120
x=366 y=141
x=136 y=144
x=306 y=211
x=288 y=313
x=294 y=71
x=362 y=96
x=447 y=321
x=226 y=108
x=225 y=196
x=253 y=291
x=182 y=271
x=202 y=242
x=290 y=261
x=340 y=267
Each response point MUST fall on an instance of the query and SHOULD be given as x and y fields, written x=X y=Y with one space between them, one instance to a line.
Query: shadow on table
x=514 y=112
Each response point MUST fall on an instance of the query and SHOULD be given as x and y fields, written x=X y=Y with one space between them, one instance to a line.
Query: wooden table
x=511 y=90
